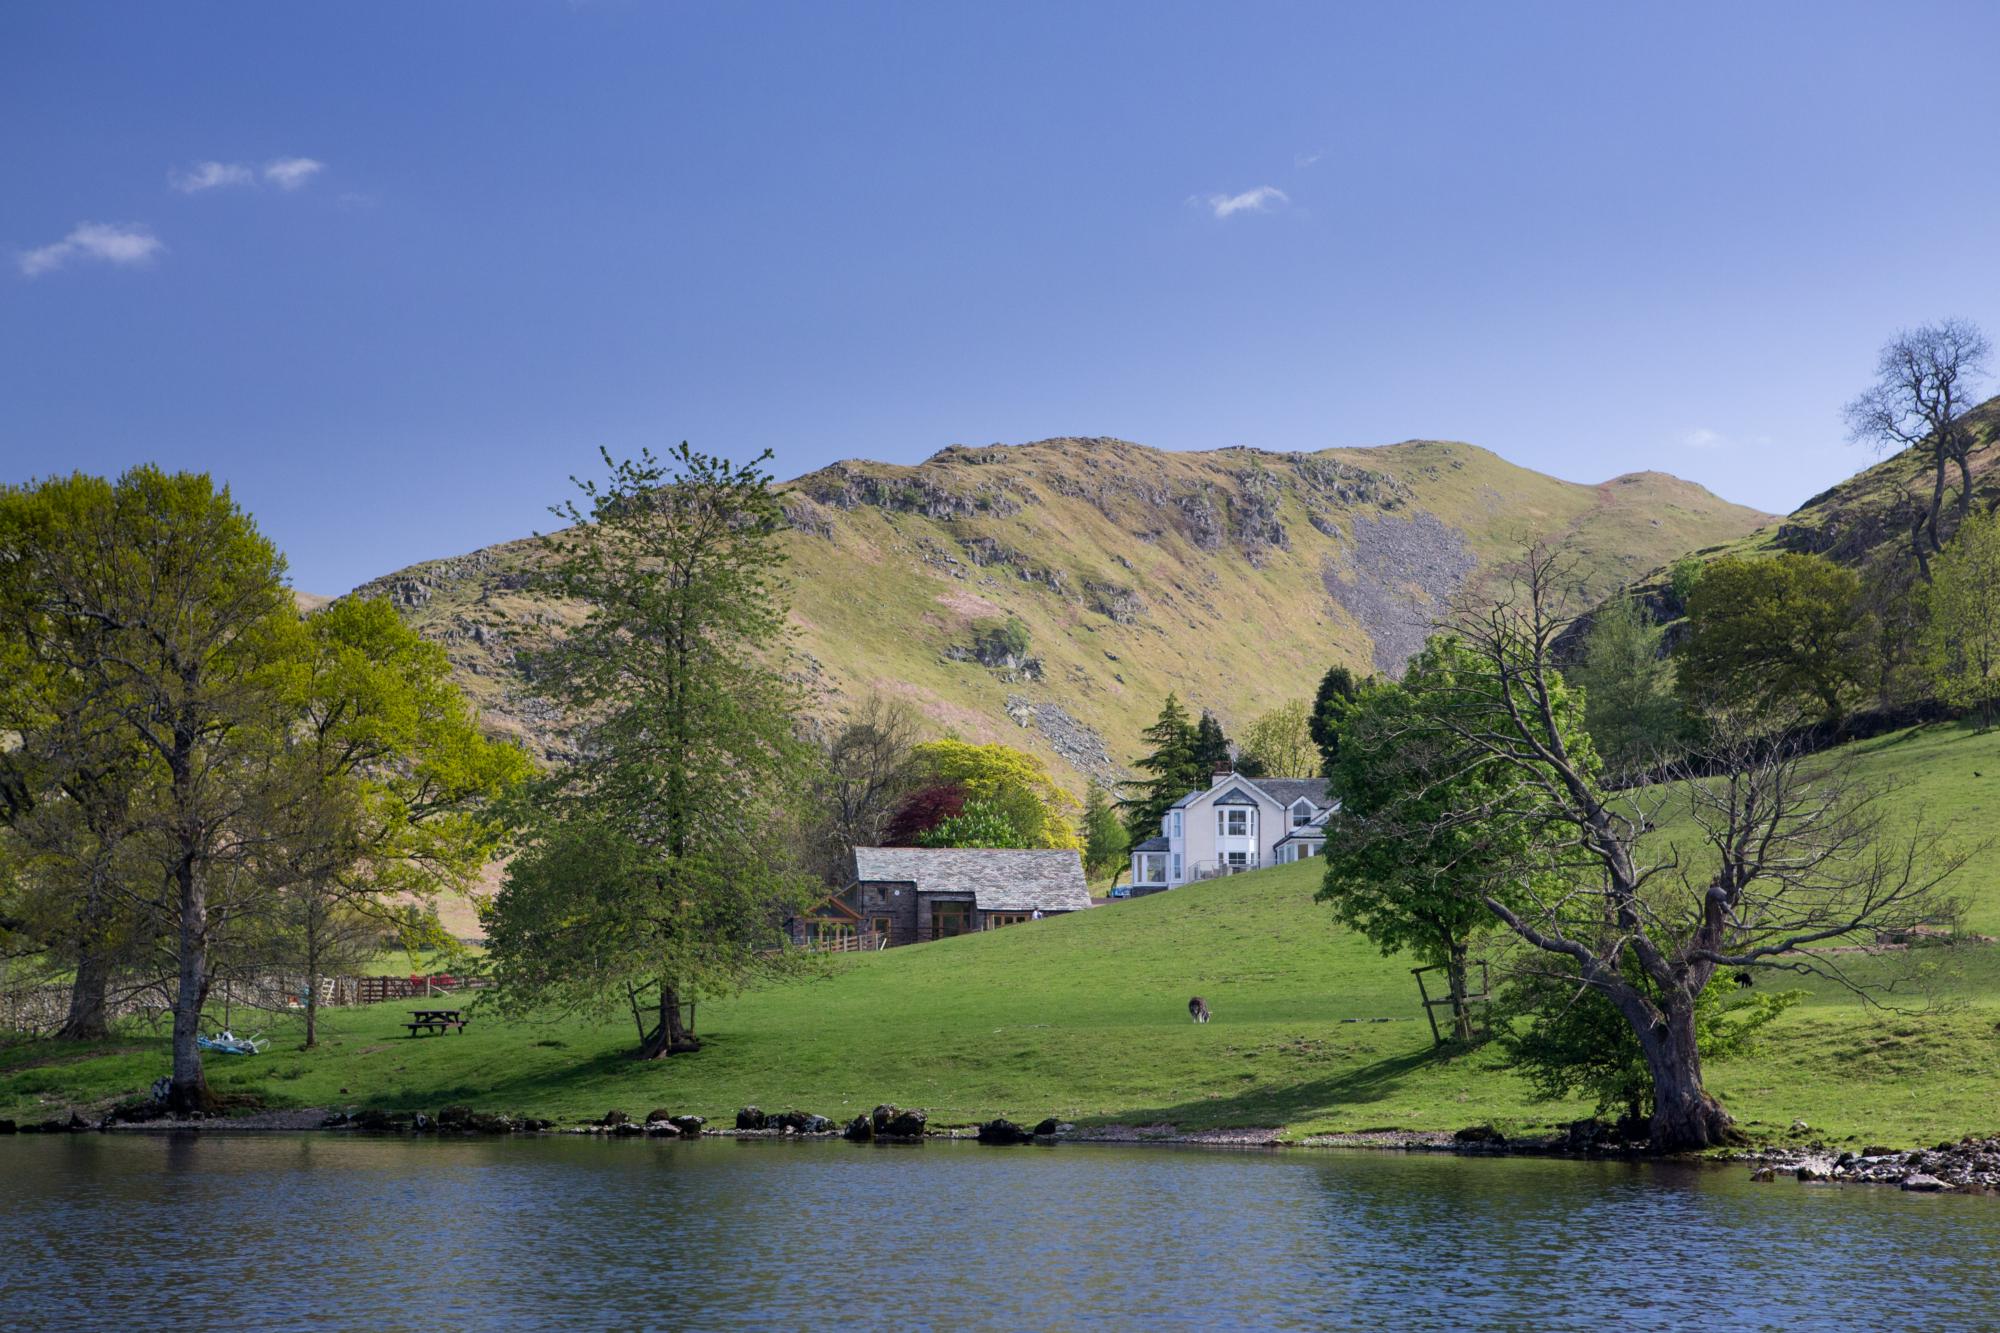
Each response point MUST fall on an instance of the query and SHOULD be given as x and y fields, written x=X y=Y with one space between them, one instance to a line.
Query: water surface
x=116 y=1231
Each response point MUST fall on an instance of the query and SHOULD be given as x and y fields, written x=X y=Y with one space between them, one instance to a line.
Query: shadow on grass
x=1269 y=1106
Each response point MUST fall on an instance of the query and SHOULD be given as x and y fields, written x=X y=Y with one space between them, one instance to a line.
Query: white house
x=1237 y=824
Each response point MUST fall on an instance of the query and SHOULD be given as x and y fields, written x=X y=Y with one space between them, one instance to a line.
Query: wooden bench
x=436 y=1020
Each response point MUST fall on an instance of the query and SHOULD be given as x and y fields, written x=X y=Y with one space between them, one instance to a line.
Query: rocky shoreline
x=1971 y=1165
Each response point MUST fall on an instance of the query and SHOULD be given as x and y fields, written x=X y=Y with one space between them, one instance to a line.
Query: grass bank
x=1085 y=1017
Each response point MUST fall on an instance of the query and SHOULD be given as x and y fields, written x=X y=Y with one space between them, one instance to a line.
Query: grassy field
x=1084 y=1017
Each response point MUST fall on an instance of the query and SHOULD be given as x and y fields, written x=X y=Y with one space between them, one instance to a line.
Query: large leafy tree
x=1403 y=865
x=1280 y=743
x=1630 y=708
x=1777 y=631
x=1961 y=641
x=159 y=599
x=1174 y=766
x=395 y=787
x=67 y=785
x=1010 y=783
x=656 y=865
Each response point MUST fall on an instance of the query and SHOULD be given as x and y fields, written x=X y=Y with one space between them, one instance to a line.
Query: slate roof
x=1282 y=790
x=999 y=880
x=1287 y=790
x=1152 y=844
x=1308 y=833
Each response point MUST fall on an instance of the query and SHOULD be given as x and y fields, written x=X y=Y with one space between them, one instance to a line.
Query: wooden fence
x=847 y=941
x=40 y=1010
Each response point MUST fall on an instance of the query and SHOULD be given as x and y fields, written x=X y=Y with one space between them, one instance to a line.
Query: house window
x=1177 y=825
x=885 y=926
x=1177 y=868
x=1237 y=858
x=1302 y=814
x=1233 y=821
x=948 y=919
x=1152 y=868
x=995 y=920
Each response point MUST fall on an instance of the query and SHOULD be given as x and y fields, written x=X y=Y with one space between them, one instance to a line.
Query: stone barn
x=908 y=895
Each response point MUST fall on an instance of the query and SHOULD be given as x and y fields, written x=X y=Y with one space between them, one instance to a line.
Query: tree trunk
x=1937 y=505
x=190 y=1089
x=85 y=1020
x=670 y=1037
x=1685 y=1117
x=312 y=974
x=1461 y=1013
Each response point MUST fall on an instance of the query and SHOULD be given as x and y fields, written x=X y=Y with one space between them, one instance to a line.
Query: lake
x=334 y=1232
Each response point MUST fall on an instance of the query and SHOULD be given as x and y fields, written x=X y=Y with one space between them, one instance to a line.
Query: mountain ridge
x=1232 y=576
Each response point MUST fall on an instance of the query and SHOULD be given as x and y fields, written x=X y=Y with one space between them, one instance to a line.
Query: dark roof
x=1286 y=791
x=1154 y=844
x=1309 y=833
x=998 y=880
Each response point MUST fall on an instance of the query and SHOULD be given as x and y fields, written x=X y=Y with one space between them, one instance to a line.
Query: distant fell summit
x=1233 y=577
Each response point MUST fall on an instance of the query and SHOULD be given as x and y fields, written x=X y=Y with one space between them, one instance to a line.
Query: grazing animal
x=1745 y=979
x=1198 y=1009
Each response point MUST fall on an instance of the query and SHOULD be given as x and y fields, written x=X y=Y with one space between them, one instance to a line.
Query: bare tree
x=865 y=772
x=1794 y=854
x=1925 y=381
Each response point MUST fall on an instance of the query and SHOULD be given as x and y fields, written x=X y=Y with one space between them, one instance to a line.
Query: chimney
x=1224 y=770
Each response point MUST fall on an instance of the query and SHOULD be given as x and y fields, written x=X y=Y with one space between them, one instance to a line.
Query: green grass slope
x=1084 y=1017
x=1234 y=577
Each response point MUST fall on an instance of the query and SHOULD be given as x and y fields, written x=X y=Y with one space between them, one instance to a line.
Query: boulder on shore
x=613 y=1119
x=752 y=1118
x=1003 y=1132
x=1051 y=1127
x=801 y=1122
x=657 y=1114
x=886 y=1122
x=688 y=1125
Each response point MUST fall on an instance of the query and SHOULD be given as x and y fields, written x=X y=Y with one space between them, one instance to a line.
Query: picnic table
x=436 y=1020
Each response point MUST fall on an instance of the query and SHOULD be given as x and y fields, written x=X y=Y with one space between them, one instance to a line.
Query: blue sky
x=395 y=270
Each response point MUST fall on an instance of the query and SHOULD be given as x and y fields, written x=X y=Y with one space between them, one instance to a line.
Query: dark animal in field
x=1745 y=979
x=1198 y=1009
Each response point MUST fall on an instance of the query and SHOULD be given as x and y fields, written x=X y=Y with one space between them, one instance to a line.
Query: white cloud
x=1701 y=437
x=209 y=175
x=1306 y=159
x=289 y=173
x=1258 y=200
x=122 y=243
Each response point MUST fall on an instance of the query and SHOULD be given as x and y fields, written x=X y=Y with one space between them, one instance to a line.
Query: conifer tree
x=1175 y=768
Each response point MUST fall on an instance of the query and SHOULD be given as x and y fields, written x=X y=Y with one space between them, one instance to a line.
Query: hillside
x=1085 y=1017
x=1853 y=523
x=1234 y=577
